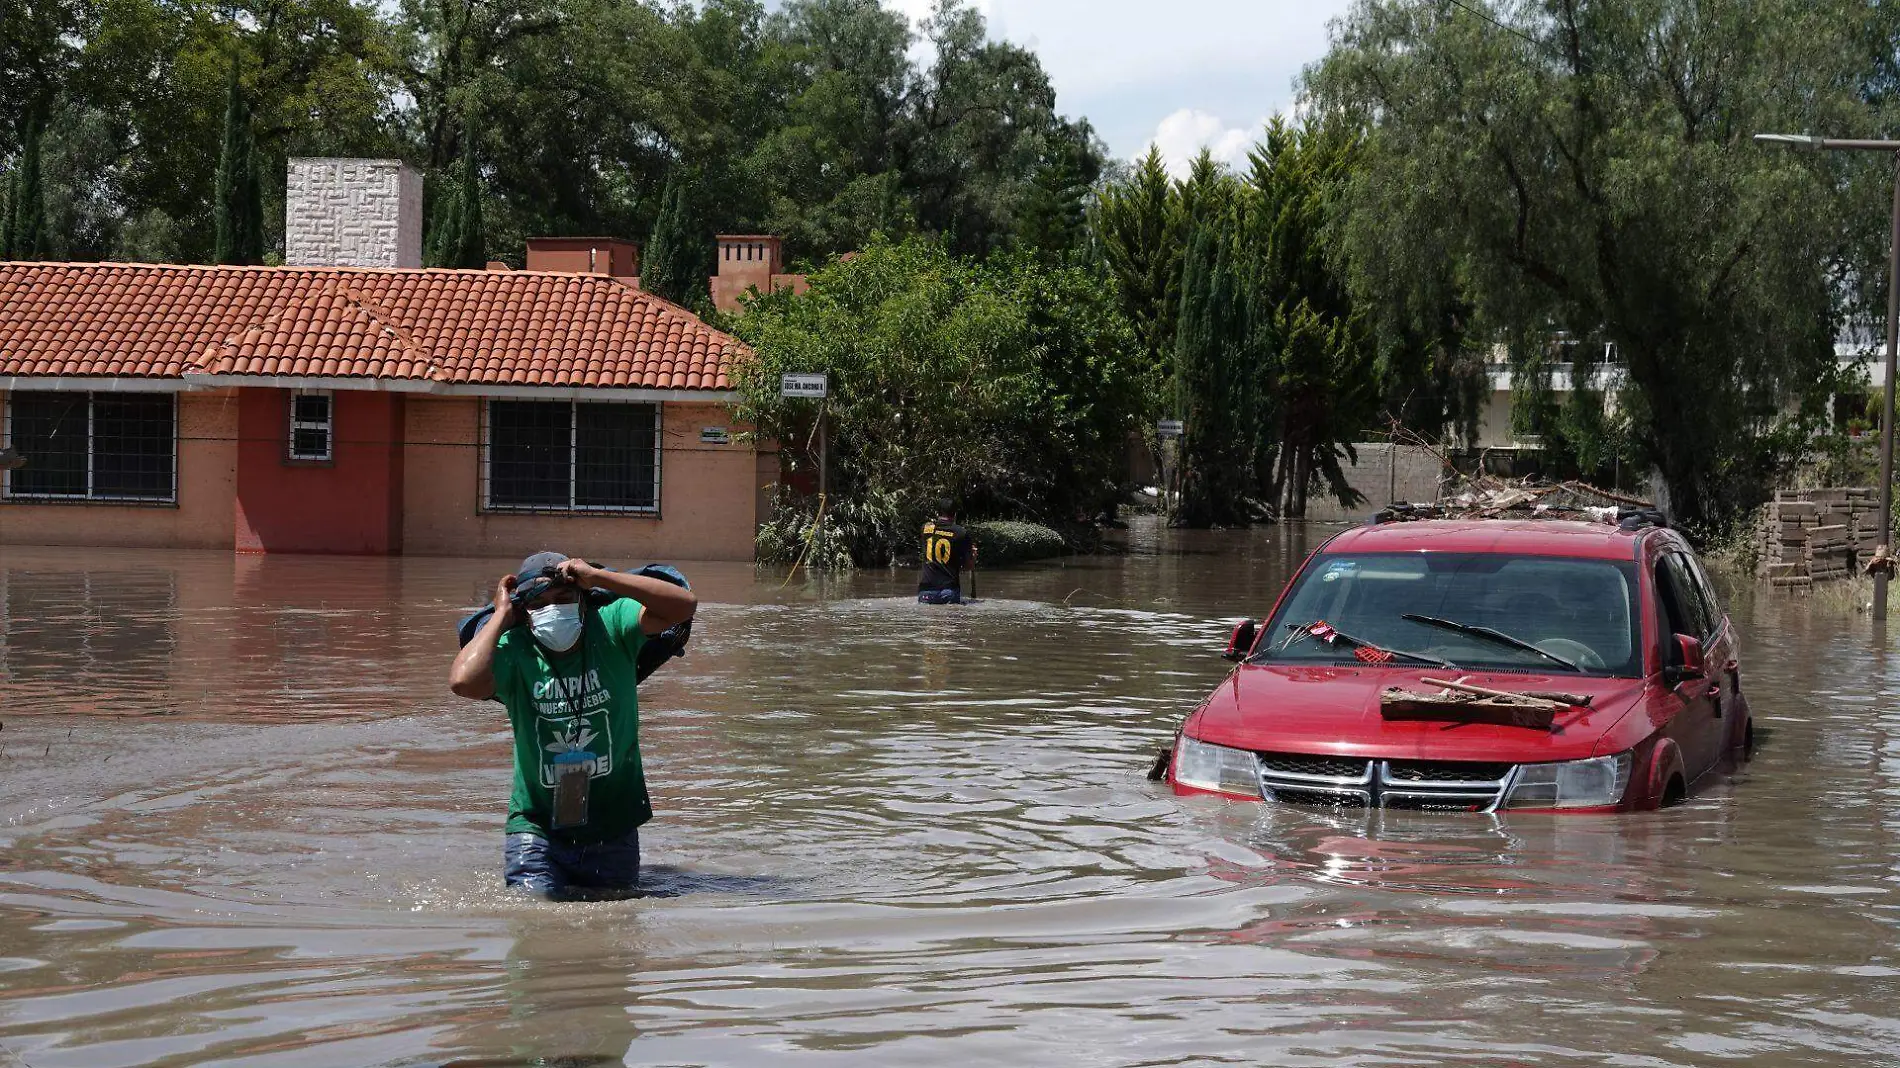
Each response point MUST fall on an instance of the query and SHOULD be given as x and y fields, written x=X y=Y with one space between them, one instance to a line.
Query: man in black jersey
x=947 y=551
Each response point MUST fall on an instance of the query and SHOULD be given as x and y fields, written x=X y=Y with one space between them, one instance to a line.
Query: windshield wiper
x=1328 y=634
x=1496 y=636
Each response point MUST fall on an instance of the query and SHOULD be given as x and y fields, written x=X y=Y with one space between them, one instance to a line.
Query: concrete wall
x=350 y=504
x=1385 y=474
x=709 y=500
x=201 y=519
x=352 y=213
x=1494 y=421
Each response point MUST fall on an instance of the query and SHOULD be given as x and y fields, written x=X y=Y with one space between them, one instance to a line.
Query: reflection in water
x=887 y=834
x=81 y=640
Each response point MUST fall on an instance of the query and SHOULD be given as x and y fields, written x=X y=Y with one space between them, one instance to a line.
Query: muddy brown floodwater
x=243 y=823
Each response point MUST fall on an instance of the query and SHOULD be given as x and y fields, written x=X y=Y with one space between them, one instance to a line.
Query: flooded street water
x=242 y=822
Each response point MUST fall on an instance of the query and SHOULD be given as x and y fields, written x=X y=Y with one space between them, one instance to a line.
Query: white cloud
x=1124 y=64
x=1182 y=135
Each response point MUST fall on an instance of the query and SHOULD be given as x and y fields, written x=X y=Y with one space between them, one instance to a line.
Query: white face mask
x=557 y=626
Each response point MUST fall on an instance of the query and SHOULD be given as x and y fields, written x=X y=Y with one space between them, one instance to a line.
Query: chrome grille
x=1443 y=771
x=1301 y=778
x=1316 y=780
x=1301 y=764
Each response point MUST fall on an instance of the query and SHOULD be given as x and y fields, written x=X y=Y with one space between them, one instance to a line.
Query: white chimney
x=352 y=213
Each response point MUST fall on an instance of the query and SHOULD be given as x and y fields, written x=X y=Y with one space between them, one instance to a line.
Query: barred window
x=559 y=456
x=93 y=446
x=311 y=421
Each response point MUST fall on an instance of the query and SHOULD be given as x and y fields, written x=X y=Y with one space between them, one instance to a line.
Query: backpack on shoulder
x=654 y=652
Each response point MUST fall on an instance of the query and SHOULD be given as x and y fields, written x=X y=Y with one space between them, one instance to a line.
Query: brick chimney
x=352 y=213
x=750 y=261
x=584 y=255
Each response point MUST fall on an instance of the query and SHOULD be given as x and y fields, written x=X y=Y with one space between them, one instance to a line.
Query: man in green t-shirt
x=567 y=679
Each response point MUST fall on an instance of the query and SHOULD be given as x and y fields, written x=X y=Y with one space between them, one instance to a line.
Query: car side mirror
x=1688 y=660
x=1240 y=643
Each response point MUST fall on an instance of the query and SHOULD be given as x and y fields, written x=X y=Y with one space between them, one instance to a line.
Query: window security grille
x=559 y=456
x=312 y=422
x=93 y=446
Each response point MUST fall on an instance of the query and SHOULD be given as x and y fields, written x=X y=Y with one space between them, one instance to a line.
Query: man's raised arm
x=473 y=673
x=665 y=604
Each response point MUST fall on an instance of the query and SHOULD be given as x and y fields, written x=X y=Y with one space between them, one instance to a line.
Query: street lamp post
x=1882 y=554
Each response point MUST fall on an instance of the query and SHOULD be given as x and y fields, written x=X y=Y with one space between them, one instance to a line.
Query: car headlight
x=1591 y=783
x=1216 y=767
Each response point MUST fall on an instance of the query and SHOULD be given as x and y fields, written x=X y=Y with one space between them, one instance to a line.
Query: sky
x=1180 y=74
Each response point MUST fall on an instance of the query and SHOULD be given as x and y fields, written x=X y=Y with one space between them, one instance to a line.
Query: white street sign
x=813 y=386
x=1170 y=428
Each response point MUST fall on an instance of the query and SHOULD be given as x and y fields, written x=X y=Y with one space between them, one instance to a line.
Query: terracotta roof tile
x=480 y=327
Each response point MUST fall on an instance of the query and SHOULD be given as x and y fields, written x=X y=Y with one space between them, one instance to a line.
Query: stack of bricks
x=1813 y=536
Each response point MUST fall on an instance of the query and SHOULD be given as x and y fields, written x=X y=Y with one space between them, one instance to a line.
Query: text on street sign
x=803 y=385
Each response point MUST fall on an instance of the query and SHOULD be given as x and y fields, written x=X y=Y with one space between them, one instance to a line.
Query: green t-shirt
x=554 y=709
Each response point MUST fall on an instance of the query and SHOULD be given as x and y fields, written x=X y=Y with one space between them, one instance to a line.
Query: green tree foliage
x=457 y=236
x=813 y=121
x=1325 y=383
x=1053 y=221
x=470 y=248
x=679 y=255
x=238 y=209
x=1009 y=384
x=1589 y=169
x=37 y=58
x=1138 y=227
x=981 y=122
x=1216 y=358
x=1276 y=365
x=26 y=199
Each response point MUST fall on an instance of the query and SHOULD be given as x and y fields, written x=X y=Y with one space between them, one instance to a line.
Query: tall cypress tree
x=7 y=183
x=26 y=206
x=679 y=253
x=1215 y=354
x=457 y=236
x=1054 y=215
x=237 y=207
x=444 y=217
x=470 y=238
x=1140 y=226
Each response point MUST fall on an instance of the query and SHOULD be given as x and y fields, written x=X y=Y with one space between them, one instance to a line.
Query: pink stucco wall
x=201 y=518
x=708 y=494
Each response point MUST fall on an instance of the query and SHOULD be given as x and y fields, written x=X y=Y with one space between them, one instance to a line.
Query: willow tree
x=1587 y=166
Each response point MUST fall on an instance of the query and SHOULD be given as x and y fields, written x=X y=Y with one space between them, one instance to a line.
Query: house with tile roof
x=354 y=402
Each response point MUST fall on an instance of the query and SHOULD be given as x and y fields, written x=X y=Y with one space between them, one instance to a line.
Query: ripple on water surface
x=244 y=825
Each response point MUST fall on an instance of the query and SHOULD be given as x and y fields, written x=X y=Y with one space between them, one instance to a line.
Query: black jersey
x=946 y=554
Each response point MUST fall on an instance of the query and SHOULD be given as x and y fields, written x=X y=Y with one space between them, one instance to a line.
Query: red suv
x=1617 y=618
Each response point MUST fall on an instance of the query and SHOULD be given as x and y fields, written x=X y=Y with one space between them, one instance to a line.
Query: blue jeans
x=950 y=596
x=560 y=871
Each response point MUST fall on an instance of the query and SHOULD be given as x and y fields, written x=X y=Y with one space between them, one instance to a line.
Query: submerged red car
x=1614 y=623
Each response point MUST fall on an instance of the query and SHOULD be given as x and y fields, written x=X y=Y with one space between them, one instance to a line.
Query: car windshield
x=1580 y=611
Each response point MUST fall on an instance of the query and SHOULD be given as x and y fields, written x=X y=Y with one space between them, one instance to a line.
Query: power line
x=1460 y=4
